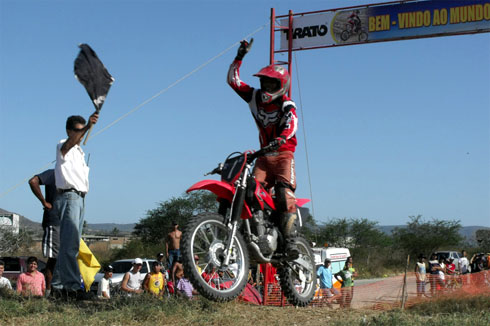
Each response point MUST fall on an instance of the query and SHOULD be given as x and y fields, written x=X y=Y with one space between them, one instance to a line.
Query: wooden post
x=404 y=290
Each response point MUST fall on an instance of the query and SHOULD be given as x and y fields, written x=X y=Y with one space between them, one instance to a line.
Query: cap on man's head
x=160 y=255
x=108 y=269
x=137 y=261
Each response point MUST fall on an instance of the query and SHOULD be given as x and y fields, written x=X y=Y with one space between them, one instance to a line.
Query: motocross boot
x=288 y=229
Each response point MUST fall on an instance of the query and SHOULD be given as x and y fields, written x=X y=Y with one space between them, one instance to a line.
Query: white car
x=120 y=268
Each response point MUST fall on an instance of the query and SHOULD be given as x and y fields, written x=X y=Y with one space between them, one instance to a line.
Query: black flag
x=90 y=71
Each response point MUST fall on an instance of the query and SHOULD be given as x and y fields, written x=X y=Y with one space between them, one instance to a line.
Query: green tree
x=115 y=231
x=158 y=222
x=483 y=239
x=421 y=236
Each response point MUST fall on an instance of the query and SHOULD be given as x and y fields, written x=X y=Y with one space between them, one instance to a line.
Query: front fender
x=222 y=190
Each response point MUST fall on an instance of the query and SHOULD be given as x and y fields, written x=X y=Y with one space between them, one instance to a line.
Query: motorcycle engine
x=267 y=233
x=268 y=242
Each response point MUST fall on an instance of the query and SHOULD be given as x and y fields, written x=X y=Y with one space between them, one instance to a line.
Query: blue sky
x=392 y=129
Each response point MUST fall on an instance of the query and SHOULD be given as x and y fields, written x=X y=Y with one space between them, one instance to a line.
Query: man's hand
x=243 y=49
x=93 y=118
x=276 y=143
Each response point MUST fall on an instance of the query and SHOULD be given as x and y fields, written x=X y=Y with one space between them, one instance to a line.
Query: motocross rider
x=275 y=115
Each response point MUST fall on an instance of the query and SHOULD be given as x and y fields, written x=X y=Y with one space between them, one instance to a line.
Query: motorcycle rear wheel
x=206 y=235
x=298 y=282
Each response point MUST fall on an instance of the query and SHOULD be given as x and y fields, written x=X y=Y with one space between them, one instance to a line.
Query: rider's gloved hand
x=243 y=49
x=276 y=143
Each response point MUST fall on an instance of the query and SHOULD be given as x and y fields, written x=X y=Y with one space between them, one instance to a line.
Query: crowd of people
x=442 y=275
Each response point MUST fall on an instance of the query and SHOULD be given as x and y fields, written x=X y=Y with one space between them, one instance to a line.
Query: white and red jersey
x=275 y=119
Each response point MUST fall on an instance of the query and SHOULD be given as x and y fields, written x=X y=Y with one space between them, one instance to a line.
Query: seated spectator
x=31 y=283
x=154 y=282
x=4 y=282
x=185 y=288
x=104 y=288
x=132 y=280
x=177 y=270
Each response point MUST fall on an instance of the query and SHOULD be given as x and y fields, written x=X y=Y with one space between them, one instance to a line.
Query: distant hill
x=467 y=232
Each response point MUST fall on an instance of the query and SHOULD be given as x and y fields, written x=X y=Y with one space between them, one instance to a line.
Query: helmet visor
x=269 y=85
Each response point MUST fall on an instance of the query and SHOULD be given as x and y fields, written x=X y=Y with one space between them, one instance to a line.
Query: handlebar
x=250 y=157
x=261 y=152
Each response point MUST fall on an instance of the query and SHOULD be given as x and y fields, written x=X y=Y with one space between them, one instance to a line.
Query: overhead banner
x=387 y=23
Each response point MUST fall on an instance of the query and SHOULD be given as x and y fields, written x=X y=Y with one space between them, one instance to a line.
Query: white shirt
x=104 y=286
x=4 y=282
x=463 y=264
x=71 y=171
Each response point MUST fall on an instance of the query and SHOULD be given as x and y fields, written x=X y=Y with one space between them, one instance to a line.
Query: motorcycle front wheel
x=298 y=277
x=205 y=237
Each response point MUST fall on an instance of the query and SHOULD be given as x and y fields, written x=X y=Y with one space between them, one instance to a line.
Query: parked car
x=450 y=254
x=14 y=266
x=120 y=268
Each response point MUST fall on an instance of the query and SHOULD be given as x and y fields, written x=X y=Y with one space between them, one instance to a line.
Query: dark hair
x=327 y=261
x=31 y=259
x=73 y=120
x=2 y=263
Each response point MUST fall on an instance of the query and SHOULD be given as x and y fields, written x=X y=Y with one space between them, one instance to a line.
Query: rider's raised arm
x=233 y=79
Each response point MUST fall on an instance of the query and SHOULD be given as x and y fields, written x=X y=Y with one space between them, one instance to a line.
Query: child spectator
x=185 y=288
x=104 y=288
x=31 y=283
x=420 y=275
x=154 y=282
x=4 y=282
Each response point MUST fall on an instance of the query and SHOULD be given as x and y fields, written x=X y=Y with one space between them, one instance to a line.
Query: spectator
x=196 y=261
x=354 y=275
x=50 y=223
x=160 y=259
x=4 y=282
x=346 y=280
x=185 y=288
x=463 y=263
x=154 y=282
x=71 y=176
x=420 y=275
x=31 y=283
x=434 y=277
x=173 y=245
x=132 y=280
x=177 y=270
x=104 y=288
x=328 y=291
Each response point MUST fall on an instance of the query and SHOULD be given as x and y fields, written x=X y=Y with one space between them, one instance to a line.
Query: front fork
x=236 y=213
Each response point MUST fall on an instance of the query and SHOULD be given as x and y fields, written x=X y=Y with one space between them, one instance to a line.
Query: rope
x=150 y=99
x=304 y=135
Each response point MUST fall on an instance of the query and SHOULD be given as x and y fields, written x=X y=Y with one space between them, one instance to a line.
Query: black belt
x=81 y=194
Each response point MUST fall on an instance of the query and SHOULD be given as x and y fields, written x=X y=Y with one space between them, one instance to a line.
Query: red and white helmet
x=278 y=73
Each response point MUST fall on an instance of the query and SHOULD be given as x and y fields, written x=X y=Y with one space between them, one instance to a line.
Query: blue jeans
x=70 y=208
x=173 y=254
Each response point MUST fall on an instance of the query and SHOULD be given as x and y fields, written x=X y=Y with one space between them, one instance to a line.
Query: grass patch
x=147 y=310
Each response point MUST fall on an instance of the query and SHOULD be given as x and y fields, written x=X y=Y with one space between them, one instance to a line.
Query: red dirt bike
x=241 y=233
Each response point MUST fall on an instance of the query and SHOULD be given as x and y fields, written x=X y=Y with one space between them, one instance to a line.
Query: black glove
x=276 y=143
x=243 y=49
